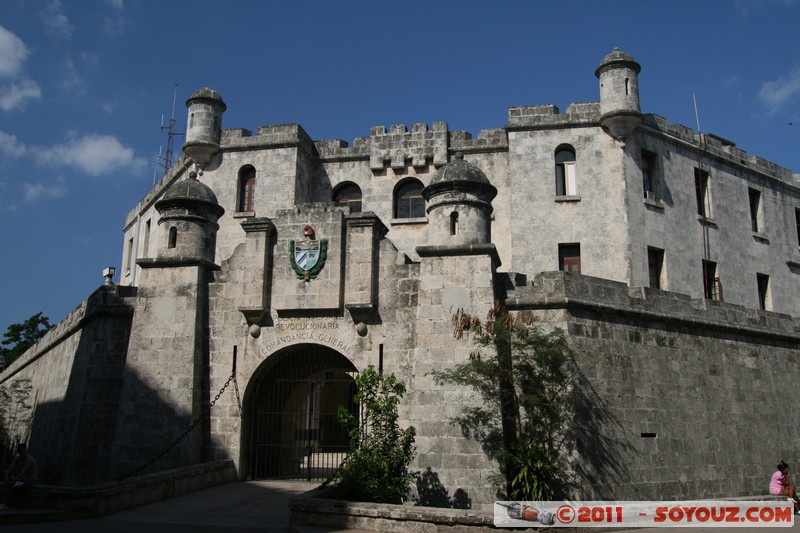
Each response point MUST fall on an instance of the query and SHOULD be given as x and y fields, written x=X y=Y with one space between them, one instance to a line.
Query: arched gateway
x=291 y=429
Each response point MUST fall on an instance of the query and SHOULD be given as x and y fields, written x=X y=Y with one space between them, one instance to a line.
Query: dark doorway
x=291 y=429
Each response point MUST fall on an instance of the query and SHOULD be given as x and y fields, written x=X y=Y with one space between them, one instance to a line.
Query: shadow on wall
x=599 y=465
x=73 y=439
x=432 y=493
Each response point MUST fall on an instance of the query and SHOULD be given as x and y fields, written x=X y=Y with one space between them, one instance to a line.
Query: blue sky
x=84 y=84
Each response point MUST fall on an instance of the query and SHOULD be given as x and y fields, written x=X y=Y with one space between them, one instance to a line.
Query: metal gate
x=294 y=431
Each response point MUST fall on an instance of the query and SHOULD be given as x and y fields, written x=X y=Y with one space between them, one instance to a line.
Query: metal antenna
x=165 y=161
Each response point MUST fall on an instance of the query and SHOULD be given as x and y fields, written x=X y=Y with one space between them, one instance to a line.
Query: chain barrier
x=177 y=441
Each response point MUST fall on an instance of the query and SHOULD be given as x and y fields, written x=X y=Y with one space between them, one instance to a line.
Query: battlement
x=566 y=290
x=720 y=148
x=271 y=136
x=546 y=116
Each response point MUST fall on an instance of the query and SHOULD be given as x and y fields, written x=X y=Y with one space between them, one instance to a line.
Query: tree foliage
x=523 y=375
x=20 y=337
x=376 y=469
x=15 y=410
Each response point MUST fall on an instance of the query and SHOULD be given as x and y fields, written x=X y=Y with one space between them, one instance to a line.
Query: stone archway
x=291 y=429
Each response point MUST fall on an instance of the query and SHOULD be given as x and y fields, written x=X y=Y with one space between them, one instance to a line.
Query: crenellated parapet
x=716 y=147
x=548 y=116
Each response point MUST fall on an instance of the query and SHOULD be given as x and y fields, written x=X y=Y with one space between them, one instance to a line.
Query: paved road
x=248 y=506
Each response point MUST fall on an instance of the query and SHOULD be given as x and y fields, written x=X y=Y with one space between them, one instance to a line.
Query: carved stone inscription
x=325 y=331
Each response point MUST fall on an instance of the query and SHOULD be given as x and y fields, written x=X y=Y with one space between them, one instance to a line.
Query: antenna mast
x=165 y=161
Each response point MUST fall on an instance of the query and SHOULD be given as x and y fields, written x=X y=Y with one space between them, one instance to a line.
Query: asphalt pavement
x=236 y=507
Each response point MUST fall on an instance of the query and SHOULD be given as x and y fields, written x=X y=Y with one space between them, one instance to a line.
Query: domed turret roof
x=617 y=58
x=189 y=191
x=459 y=170
x=462 y=176
x=206 y=93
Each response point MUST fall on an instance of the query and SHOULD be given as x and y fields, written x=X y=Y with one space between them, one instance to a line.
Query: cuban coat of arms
x=308 y=255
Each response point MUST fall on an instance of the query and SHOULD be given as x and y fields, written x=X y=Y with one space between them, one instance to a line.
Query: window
x=649 y=174
x=797 y=224
x=173 y=237
x=247 y=188
x=348 y=195
x=129 y=262
x=566 y=179
x=762 y=280
x=655 y=266
x=146 y=250
x=409 y=202
x=755 y=209
x=712 y=287
x=454 y=223
x=569 y=257
x=701 y=192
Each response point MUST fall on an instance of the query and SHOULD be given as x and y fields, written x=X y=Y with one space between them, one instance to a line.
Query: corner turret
x=459 y=204
x=189 y=212
x=620 y=113
x=203 y=126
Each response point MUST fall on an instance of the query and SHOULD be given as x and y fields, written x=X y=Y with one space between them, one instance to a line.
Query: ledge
x=445 y=250
x=310 y=511
x=402 y=221
x=567 y=198
x=115 y=496
x=173 y=262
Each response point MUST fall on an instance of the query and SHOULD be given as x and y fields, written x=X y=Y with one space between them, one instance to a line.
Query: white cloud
x=114 y=25
x=93 y=154
x=56 y=23
x=13 y=53
x=16 y=94
x=10 y=146
x=775 y=95
x=38 y=191
x=116 y=4
x=72 y=82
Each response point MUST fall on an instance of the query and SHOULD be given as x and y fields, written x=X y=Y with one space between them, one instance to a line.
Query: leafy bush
x=523 y=378
x=376 y=469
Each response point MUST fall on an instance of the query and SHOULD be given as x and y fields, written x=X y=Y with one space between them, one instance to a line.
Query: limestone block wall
x=75 y=374
x=725 y=236
x=165 y=383
x=679 y=398
x=451 y=278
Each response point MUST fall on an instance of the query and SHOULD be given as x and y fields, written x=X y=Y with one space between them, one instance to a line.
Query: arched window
x=247 y=188
x=408 y=200
x=173 y=237
x=566 y=177
x=348 y=195
x=454 y=223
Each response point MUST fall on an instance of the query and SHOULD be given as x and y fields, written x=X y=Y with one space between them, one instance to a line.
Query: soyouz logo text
x=696 y=513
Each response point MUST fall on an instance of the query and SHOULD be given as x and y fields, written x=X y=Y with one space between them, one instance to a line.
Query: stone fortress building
x=670 y=259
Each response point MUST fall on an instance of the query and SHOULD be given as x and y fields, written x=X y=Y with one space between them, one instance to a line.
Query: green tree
x=376 y=469
x=525 y=383
x=20 y=337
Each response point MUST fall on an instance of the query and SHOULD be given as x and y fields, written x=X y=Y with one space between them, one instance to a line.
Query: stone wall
x=678 y=398
x=75 y=372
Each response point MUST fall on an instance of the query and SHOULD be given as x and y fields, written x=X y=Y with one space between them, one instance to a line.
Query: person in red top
x=780 y=485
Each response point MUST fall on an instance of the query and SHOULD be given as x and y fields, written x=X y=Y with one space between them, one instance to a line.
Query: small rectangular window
x=712 y=286
x=701 y=192
x=655 y=266
x=569 y=257
x=762 y=281
x=129 y=260
x=755 y=209
x=146 y=247
x=797 y=224
x=649 y=174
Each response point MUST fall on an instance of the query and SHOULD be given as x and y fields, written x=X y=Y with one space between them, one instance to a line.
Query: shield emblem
x=306 y=254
